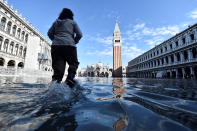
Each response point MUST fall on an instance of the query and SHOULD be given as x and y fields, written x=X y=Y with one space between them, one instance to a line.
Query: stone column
x=189 y=54
x=169 y=60
x=183 y=72
x=175 y=58
x=1 y=48
x=186 y=39
x=8 y=48
x=5 y=63
x=182 y=56
x=164 y=60
x=160 y=62
x=11 y=28
x=170 y=73
x=177 y=74
x=192 y=72
x=6 y=26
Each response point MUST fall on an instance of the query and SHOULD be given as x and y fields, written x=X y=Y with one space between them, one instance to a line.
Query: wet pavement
x=98 y=104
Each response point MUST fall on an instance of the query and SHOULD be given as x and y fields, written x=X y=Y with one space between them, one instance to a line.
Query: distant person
x=65 y=34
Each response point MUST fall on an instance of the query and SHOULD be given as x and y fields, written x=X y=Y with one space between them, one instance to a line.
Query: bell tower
x=117 y=52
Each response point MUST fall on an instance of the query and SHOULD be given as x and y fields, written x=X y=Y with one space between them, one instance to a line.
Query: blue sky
x=143 y=23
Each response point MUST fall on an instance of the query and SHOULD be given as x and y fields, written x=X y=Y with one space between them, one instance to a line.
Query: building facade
x=174 y=58
x=98 y=70
x=21 y=45
x=117 y=52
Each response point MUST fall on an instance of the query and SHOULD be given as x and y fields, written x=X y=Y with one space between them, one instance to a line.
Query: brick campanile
x=117 y=52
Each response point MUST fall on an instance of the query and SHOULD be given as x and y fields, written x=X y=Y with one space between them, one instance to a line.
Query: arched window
x=26 y=38
x=20 y=51
x=23 y=35
x=14 y=30
x=19 y=32
x=9 y=27
x=5 y=46
x=11 y=47
x=1 y=40
x=16 y=50
x=2 y=24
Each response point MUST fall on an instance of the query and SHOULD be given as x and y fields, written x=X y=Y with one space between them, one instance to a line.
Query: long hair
x=66 y=14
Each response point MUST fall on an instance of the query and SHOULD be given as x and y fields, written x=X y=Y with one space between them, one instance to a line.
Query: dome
x=100 y=64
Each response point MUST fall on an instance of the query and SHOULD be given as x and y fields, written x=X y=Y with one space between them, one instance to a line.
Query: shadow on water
x=108 y=104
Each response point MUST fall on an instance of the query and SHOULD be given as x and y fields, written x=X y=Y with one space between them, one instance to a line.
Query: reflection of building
x=98 y=70
x=117 y=52
x=174 y=58
x=118 y=88
x=124 y=71
x=21 y=45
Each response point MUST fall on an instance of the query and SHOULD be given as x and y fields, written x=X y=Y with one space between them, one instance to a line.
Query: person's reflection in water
x=118 y=90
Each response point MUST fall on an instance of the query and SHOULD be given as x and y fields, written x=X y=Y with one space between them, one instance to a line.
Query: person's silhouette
x=65 y=34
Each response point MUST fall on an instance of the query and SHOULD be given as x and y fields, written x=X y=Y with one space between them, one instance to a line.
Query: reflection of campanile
x=117 y=52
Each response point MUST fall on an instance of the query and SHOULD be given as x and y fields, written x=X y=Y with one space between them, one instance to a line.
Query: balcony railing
x=170 y=50
x=166 y=65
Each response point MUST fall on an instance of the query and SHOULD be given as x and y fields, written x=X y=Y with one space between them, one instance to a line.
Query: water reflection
x=28 y=103
x=119 y=90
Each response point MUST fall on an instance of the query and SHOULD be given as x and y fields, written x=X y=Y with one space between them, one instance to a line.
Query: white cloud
x=138 y=26
x=169 y=30
x=155 y=41
x=104 y=40
x=193 y=14
x=131 y=51
x=106 y=52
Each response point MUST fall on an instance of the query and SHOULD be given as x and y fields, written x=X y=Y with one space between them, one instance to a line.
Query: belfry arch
x=11 y=63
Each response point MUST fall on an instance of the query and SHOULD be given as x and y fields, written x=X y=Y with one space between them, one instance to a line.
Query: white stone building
x=21 y=45
x=98 y=70
x=174 y=58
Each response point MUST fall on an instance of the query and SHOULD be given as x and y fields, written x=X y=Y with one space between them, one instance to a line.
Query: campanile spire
x=117 y=52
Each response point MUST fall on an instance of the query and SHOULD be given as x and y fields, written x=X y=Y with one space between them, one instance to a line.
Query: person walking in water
x=65 y=34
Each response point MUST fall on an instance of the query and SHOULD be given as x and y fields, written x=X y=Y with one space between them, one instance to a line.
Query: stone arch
x=102 y=74
x=14 y=30
x=97 y=73
x=20 y=65
x=89 y=74
x=92 y=74
x=46 y=69
x=5 y=45
x=11 y=63
x=2 y=61
x=106 y=74
x=1 y=41
x=8 y=29
x=3 y=23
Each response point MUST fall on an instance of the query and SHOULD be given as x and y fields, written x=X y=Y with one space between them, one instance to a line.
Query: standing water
x=98 y=104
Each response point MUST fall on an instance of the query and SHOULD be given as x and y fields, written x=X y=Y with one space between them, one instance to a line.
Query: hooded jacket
x=65 y=32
